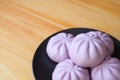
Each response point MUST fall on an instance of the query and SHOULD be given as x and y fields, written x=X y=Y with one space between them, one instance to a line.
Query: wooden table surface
x=24 y=24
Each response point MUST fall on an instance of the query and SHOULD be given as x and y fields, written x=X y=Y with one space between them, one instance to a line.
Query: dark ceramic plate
x=43 y=66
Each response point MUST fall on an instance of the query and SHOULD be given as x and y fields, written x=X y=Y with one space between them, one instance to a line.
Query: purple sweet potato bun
x=87 y=49
x=105 y=38
x=67 y=70
x=108 y=70
x=58 y=45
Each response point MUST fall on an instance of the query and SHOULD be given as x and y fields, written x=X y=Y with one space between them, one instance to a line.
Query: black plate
x=43 y=66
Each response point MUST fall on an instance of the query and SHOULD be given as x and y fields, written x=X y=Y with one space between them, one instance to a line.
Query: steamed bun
x=108 y=70
x=67 y=70
x=105 y=38
x=58 y=45
x=87 y=49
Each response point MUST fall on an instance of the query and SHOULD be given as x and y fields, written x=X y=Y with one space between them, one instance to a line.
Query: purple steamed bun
x=105 y=38
x=67 y=70
x=108 y=70
x=87 y=50
x=58 y=45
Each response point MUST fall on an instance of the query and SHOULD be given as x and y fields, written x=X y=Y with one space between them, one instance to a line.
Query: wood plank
x=24 y=24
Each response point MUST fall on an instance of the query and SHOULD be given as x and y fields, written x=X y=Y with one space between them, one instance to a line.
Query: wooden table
x=24 y=24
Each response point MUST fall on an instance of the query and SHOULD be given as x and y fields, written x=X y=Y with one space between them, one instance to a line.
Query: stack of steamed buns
x=75 y=55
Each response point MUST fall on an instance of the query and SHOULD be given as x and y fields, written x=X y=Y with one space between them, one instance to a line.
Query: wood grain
x=24 y=24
